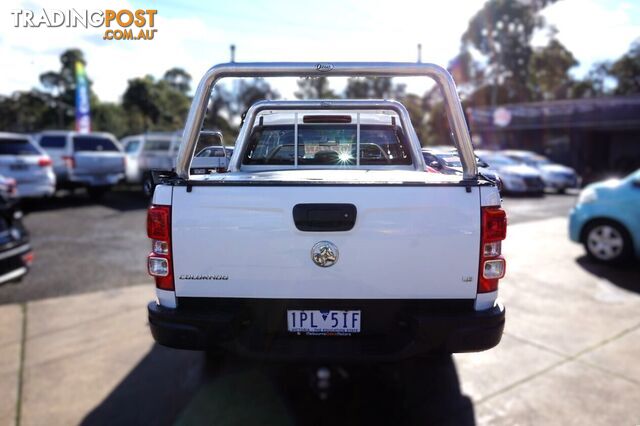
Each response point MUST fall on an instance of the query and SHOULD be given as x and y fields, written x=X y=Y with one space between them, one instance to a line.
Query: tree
x=549 y=67
x=154 y=105
x=26 y=112
x=502 y=32
x=626 y=71
x=110 y=117
x=250 y=92
x=179 y=79
x=61 y=86
x=369 y=88
x=314 y=88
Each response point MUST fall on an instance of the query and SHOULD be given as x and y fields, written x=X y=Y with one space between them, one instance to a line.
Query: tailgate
x=22 y=169
x=98 y=163
x=407 y=242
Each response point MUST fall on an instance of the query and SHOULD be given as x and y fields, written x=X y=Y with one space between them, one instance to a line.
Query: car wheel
x=607 y=242
x=147 y=186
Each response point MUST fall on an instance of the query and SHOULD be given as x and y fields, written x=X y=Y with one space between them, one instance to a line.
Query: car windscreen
x=93 y=143
x=52 y=141
x=450 y=160
x=328 y=144
x=132 y=146
x=17 y=146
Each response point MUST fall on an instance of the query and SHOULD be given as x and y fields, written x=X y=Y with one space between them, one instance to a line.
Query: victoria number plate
x=313 y=322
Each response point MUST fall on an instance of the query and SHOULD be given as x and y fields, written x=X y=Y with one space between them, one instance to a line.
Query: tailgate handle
x=324 y=217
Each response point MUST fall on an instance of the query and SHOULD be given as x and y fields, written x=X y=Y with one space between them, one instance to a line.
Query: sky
x=196 y=35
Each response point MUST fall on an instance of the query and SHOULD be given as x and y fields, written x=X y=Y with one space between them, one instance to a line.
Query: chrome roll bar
x=440 y=75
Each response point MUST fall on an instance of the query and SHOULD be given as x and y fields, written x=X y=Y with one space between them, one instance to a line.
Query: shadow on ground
x=180 y=387
x=121 y=199
x=625 y=276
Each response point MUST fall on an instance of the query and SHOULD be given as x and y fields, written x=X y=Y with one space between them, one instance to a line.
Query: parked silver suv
x=28 y=164
x=94 y=160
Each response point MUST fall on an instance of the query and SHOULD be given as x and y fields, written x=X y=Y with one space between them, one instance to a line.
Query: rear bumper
x=45 y=188
x=388 y=333
x=12 y=264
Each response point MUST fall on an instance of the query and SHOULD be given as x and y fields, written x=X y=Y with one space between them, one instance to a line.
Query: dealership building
x=598 y=137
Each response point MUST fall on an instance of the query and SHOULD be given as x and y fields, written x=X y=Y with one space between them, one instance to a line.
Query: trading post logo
x=122 y=24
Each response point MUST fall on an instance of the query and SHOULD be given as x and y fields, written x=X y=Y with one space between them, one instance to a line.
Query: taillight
x=28 y=258
x=12 y=186
x=492 y=264
x=44 y=162
x=69 y=161
x=159 y=261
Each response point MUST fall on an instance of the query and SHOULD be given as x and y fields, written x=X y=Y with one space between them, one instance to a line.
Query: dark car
x=15 y=252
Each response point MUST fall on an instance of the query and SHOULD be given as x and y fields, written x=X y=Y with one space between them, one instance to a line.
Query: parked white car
x=517 y=178
x=157 y=152
x=94 y=161
x=326 y=238
x=147 y=152
x=555 y=176
x=31 y=167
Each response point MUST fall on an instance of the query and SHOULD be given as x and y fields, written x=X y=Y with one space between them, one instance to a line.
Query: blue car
x=606 y=219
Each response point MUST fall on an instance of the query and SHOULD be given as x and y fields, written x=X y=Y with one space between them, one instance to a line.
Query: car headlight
x=587 y=195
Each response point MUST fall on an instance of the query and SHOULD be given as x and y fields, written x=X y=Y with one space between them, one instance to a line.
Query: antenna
x=232 y=50
x=419 y=53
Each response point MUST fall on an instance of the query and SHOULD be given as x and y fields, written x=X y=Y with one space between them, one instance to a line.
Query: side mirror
x=435 y=165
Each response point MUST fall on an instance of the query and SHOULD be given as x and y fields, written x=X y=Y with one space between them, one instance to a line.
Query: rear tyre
x=147 y=186
x=607 y=242
x=97 y=192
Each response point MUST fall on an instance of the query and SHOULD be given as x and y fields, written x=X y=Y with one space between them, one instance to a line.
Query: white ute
x=325 y=238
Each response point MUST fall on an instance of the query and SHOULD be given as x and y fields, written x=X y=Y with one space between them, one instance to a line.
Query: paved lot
x=569 y=354
x=81 y=246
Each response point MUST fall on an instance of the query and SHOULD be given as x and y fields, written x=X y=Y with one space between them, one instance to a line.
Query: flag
x=83 y=113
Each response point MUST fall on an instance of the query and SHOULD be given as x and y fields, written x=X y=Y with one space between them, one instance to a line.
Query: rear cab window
x=17 y=146
x=83 y=143
x=329 y=143
x=53 y=141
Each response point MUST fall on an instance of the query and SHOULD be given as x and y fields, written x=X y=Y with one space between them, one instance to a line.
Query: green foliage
x=25 y=112
x=549 y=71
x=370 y=88
x=502 y=32
x=178 y=79
x=154 y=105
x=314 y=88
x=110 y=117
x=626 y=71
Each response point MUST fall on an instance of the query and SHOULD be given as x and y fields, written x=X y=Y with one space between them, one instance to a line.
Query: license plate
x=315 y=322
x=19 y=167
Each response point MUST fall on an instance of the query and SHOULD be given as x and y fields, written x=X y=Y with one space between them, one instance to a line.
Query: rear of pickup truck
x=405 y=279
x=310 y=253
x=327 y=239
